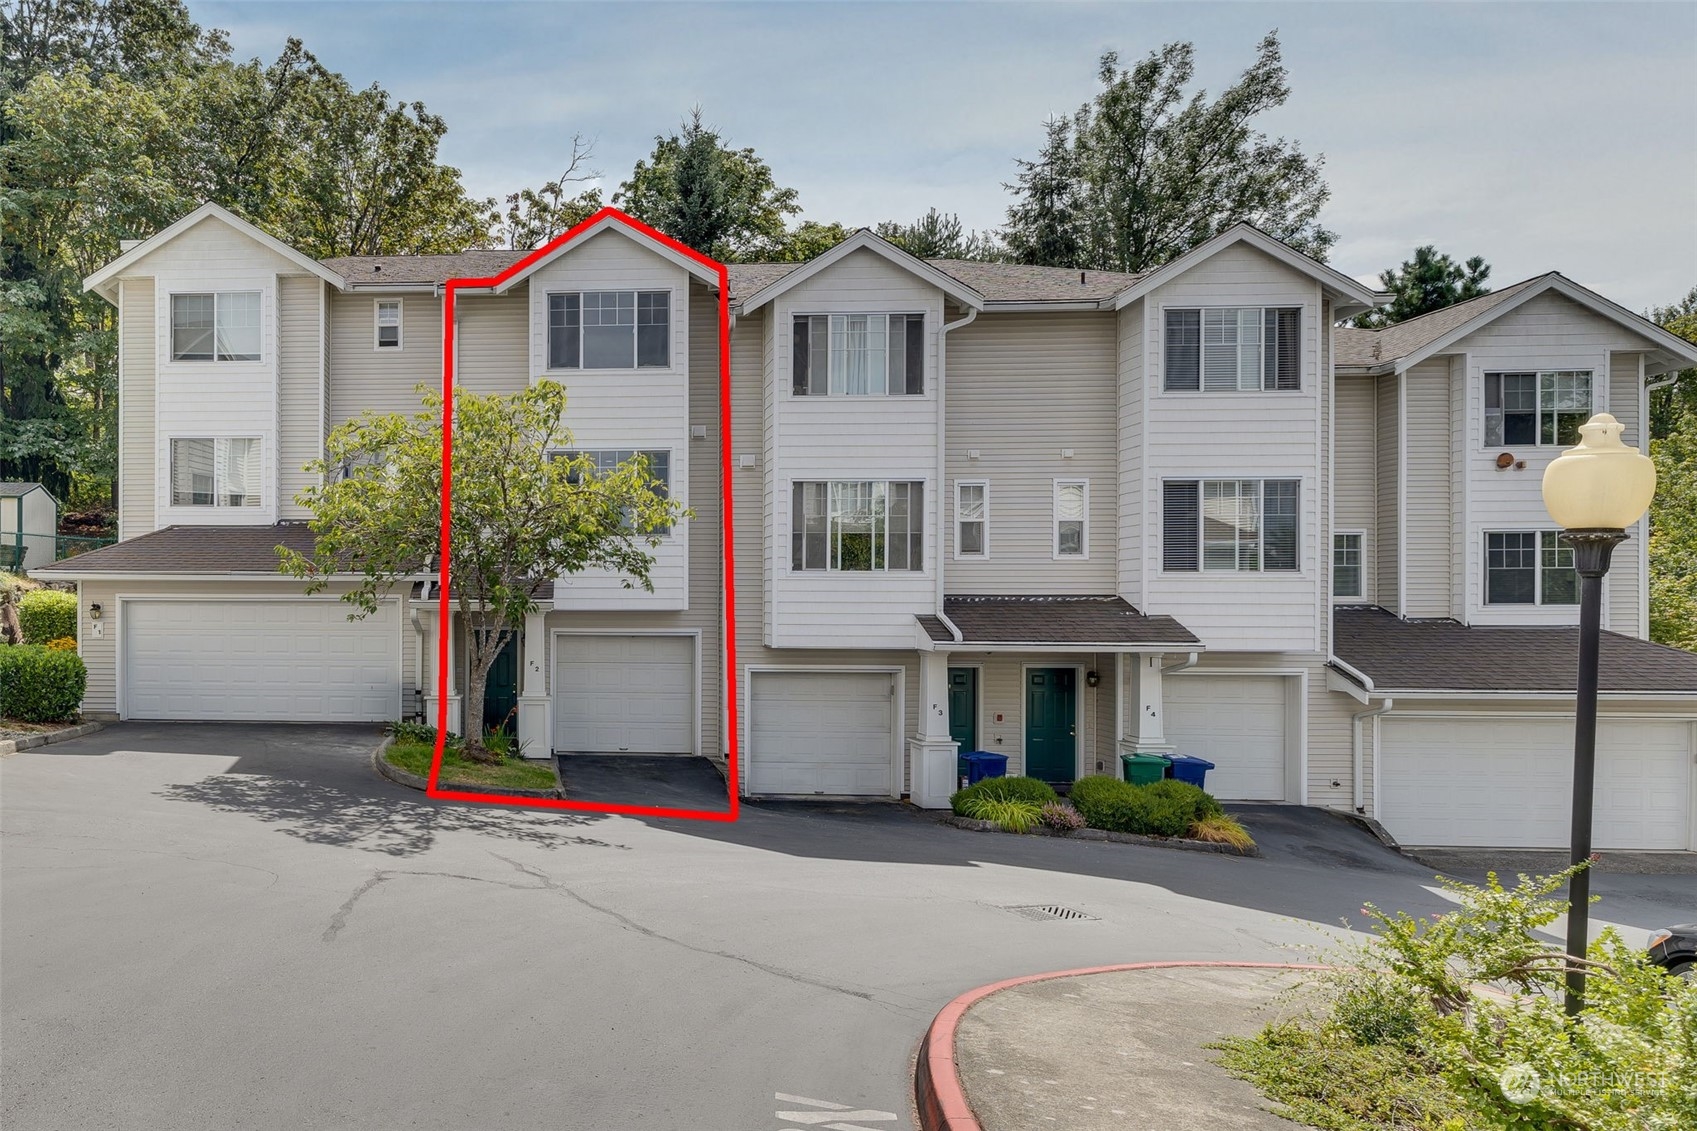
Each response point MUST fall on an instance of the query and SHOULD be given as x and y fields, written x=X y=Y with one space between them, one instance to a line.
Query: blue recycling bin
x=976 y=765
x=1188 y=768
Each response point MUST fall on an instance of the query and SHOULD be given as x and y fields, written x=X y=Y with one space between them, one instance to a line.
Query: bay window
x=857 y=526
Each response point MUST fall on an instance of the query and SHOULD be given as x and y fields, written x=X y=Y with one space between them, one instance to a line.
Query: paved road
x=221 y=926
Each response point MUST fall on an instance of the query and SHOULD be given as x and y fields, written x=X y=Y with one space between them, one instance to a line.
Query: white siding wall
x=1428 y=523
x=1388 y=442
x=138 y=363
x=1132 y=398
x=602 y=410
x=299 y=355
x=1625 y=581
x=825 y=438
x=1239 y=435
x=1023 y=388
x=1358 y=473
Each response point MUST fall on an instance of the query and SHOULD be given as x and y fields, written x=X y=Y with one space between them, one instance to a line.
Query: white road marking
x=838 y=1115
x=783 y=1098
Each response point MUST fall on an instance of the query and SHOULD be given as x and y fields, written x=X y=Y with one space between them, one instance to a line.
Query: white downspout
x=1355 y=722
x=942 y=471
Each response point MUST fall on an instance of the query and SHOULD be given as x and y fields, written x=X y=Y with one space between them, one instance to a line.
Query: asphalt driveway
x=216 y=926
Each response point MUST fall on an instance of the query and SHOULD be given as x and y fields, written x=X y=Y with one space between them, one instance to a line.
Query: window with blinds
x=1240 y=525
x=1233 y=349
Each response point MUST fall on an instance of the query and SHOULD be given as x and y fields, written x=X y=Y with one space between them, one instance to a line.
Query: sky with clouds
x=1541 y=136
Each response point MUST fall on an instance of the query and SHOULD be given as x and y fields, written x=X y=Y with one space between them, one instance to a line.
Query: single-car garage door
x=284 y=661
x=1238 y=722
x=624 y=694
x=831 y=733
x=1507 y=783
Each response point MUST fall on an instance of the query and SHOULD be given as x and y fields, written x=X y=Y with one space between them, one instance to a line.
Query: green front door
x=1051 y=724
x=501 y=697
x=963 y=708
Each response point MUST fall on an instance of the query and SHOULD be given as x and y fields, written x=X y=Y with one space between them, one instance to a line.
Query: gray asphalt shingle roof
x=1371 y=347
x=193 y=549
x=1042 y=620
x=17 y=490
x=1445 y=655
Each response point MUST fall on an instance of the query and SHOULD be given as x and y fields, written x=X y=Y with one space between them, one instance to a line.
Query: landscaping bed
x=510 y=773
x=1167 y=812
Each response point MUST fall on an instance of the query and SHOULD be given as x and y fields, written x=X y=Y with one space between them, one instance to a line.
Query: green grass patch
x=509 y=773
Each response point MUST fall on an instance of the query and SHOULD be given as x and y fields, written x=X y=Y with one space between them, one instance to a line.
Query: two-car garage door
x=259 y=660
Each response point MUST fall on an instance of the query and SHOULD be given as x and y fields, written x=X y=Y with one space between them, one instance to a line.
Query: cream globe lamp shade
x=1602 y=484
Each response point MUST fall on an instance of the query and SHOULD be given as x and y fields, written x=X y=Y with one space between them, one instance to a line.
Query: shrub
x=1060 y=816
x=1012 y=815
x=41 y=686
x=63 y=644
x=1038 y=793
x=1120 y=807
x=18 y=581
x=47 y=614
x=1222 y=830
x=404 y=732
x=1200 y=803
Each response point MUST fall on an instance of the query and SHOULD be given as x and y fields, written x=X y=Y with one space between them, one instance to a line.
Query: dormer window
x=218 y=326
x=1233 y=349
x=610 y=330
x=388 y=324
x=858 y=355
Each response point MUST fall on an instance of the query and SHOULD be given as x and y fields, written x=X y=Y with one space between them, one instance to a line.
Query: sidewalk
x=1114 y=1049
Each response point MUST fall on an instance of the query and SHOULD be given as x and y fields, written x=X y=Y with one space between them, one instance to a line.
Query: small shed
x=29 y=526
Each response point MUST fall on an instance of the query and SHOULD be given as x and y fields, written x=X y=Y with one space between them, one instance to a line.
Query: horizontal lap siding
x=300 y=355
x=1023 y=387
x=1358 y=471
x=1625 y=582
x=136 y=452
x=1388 y=443
x=1428 y=525
x=493 y=342
x=1130 y=395
x=363 y=378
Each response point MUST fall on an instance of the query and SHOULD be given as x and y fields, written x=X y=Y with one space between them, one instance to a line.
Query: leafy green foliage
x=523 y=514
x=718 y=200
x=1009 y=814
x=1673 y=512
x=939 y=236
x=1198 y=801
x=1221 y=829
x=1674 y=408
x=1430 y=281
x=535 y=216
x=1164 y=808
x=804 y=241
x=1147 y=170
x=1037 y=792
x=41 y=685
x=47 y=614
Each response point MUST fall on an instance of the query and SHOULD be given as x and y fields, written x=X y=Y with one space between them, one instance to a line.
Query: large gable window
x=857 y=526
x=1536 y=408
x=1233 y=349
x=858 y=355
x=215 y=472
x=1242 y=525
x=609 y=330
x=217 y=326
x=1529 y=567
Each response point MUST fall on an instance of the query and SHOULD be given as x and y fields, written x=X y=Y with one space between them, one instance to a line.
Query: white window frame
x=983 y=519
x=833 y=375
x=1203 y=569
x=217 y=492
x=377 y=306
x=1540 y=409
x=216 y=297
x=1055 y=523
x=1242 y=382
x=881 y=488
x=1540 y=536
x=1361 y=548
x=622 y=456
x=636 y=365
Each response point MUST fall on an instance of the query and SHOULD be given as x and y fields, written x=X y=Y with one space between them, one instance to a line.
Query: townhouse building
x=1060 y=515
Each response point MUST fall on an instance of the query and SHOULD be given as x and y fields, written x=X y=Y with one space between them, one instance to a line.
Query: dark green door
x=501 y=697
x=1051 y=724
x=963 y=708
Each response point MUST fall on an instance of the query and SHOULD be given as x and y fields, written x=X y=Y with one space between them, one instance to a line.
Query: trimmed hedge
x=1037 y=792
x=40 y=685
x=47 y=614
x=1165 y=808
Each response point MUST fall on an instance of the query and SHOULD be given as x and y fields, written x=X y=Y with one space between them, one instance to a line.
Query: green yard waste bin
x=1144 y=769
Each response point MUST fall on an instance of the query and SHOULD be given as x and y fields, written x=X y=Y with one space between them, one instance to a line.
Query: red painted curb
x=937 y=1089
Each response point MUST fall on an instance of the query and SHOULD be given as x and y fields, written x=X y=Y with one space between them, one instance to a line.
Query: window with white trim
x=1529 y=567
x=1233 y=349
x=972 y=518
x=609 y=330
x=857 y=355
x=1072 y=518
x=857 y=526
x=606 y=461
x=1241 y=525
x=1536 y=408
x=388 y=324
x=1348 y=567
x=215 y=472
x=215 y=326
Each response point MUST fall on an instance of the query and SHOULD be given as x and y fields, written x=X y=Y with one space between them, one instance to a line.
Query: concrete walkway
x=1113 y=1050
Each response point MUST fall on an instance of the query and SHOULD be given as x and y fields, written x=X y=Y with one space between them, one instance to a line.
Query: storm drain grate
x=1047 y=911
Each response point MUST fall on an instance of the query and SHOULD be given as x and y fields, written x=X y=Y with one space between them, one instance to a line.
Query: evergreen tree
x=1430 y=281
x=939 y=235
x=1043 y=222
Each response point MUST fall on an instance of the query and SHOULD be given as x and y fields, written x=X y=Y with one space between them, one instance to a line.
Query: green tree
x=1155 y=170
x=806 y=240
x=535 y=216
x=522 y=515
x=1430 y=281
x=1673 y=512
x=938 y=235
x=1674 y=407
x=718 y=200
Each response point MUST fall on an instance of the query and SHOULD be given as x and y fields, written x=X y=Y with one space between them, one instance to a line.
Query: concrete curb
x=31 y=741
x=971 y=825
x=415 y=781
x=937 y=1089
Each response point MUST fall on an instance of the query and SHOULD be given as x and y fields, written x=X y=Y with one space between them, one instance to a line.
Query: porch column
x=536 y=713
x=932 y=752
x=456 y=703
x=428 y=662
x=1144 y=726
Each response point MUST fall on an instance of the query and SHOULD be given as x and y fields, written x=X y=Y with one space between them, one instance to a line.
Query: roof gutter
x=1188 y=662
x=1356 y=674
x=942 y=453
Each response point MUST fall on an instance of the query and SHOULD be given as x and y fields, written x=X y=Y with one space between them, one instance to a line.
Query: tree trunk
x=483 y=644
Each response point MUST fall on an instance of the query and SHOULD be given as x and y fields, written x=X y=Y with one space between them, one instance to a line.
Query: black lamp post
x=1594 y=491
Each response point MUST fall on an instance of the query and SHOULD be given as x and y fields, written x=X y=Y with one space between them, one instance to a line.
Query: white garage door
x=284 y=661
x=624 y=694
x=831 y=733
x=1237 y=722
x=1507 y=783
